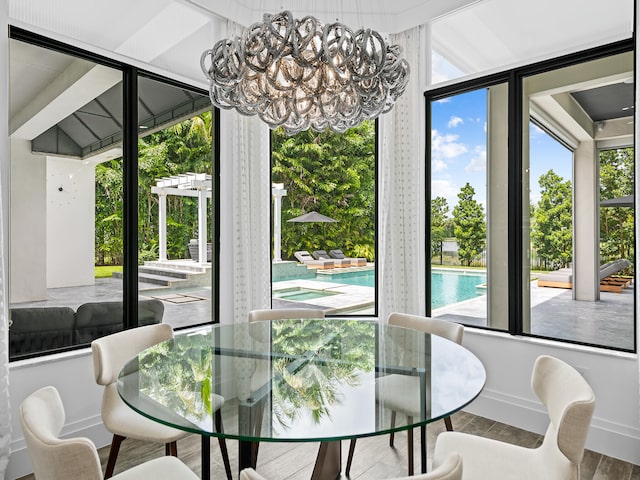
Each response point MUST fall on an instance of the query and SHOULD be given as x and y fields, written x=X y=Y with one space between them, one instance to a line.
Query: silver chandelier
x=301 y=74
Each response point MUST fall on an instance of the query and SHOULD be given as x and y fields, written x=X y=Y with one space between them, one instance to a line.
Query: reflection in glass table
x=296 y=381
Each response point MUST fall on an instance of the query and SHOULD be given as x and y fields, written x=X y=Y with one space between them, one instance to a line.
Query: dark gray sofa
x=45 y=329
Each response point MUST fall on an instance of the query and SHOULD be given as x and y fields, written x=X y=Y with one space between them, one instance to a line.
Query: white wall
x=507 y=396
x=27 y=225
x=70 y=238
x=72 y=375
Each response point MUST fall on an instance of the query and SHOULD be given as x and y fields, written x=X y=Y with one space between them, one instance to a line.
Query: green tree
x=333 y=174
x=439 y=224
x=470 y=228
x=552 y=235
x=180 y=148
x=616 y=223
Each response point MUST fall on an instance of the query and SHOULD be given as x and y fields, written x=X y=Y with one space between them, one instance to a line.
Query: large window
x=554 y=231
x=468 y=151
x=324 y=206
x=108 y=197
x=582 y=255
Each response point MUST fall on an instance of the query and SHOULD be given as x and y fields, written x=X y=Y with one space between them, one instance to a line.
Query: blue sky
x=459 y=130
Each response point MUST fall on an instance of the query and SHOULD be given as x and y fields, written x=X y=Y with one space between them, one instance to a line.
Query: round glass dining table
x=302 y=380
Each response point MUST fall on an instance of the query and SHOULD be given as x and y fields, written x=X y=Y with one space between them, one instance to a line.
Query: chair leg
x=410 y=448
x=393 y=424
x=352 y=448
x=113 y=454
x=447 y=423
x=223 y=445
x=171 y=449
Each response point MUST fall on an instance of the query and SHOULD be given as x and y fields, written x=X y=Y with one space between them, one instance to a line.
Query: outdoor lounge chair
x=339 y=262
x=305 y=257
x=355 y=262
x=563 y=278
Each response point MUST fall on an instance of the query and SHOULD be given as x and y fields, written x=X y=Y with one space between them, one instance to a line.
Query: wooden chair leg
x=410 y=451
x=171 y=449
x=447 y=423
x=113 y=455
x=352 y=448
x=223 y=445
x=393 y=424
x=225 y=457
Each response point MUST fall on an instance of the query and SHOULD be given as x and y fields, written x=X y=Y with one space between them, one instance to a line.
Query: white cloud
x=446 y=189
x=478 y=162
x=446 y=147
x=454 y=122
x=438 y=165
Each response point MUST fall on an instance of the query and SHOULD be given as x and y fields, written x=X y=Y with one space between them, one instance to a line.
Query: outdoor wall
x=70 y=237
x=27 y=224
x=497 y=206
x=586 y=246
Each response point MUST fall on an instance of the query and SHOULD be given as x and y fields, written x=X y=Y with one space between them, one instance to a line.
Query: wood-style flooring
x=373 y=458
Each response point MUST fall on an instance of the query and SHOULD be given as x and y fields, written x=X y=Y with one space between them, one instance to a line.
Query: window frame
x=515 y=78
x=130 y=75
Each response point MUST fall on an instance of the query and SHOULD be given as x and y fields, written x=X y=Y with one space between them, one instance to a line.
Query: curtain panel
x=5 y=413
x=401 y=197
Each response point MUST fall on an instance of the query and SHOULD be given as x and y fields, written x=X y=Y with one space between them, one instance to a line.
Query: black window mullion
x=514 y=194
x=130 y=197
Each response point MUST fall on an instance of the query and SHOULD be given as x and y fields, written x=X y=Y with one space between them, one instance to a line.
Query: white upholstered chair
x=284 y=314
x=404 y=402
x=570 y=403
x=110 y=353
x=451 y=469
x=42 y=417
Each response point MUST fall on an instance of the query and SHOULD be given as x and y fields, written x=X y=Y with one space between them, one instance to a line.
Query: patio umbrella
x=313 y=217
x=627 y=201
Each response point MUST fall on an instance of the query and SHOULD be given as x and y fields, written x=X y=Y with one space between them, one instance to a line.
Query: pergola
x=184 y=185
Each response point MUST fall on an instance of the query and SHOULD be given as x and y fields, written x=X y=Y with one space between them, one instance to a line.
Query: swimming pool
x=447 y=287
x=300 y=294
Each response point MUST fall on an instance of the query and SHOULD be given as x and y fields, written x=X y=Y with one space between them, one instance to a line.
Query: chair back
x=284 y=314
x=449 y=330
x=110 y=353
x=42 y=418
x=570 y=402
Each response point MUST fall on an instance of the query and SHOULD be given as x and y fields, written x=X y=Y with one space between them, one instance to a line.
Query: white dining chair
x=42 y=417
x=570 y=403
x=110 y=353
x=451 y=469
x=401 y=391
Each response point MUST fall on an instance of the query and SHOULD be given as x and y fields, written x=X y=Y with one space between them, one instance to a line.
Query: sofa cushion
x=95 y=320
x=39 y=329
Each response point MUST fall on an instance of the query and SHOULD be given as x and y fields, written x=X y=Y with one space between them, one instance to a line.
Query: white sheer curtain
x=251 y=213
x=5 y=413
x=251 y=206
x=401 y=254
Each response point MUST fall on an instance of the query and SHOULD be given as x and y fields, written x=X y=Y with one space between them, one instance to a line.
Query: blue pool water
x=446 y=287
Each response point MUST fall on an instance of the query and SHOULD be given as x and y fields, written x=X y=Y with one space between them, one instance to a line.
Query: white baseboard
x=605 y=437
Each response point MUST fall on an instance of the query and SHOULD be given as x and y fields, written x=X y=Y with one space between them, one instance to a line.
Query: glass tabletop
x=300 y=380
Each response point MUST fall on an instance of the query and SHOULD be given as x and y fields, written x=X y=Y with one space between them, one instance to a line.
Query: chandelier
x=301 y=74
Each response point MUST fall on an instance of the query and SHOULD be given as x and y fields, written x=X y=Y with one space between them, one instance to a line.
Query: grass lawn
x=105 y=272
